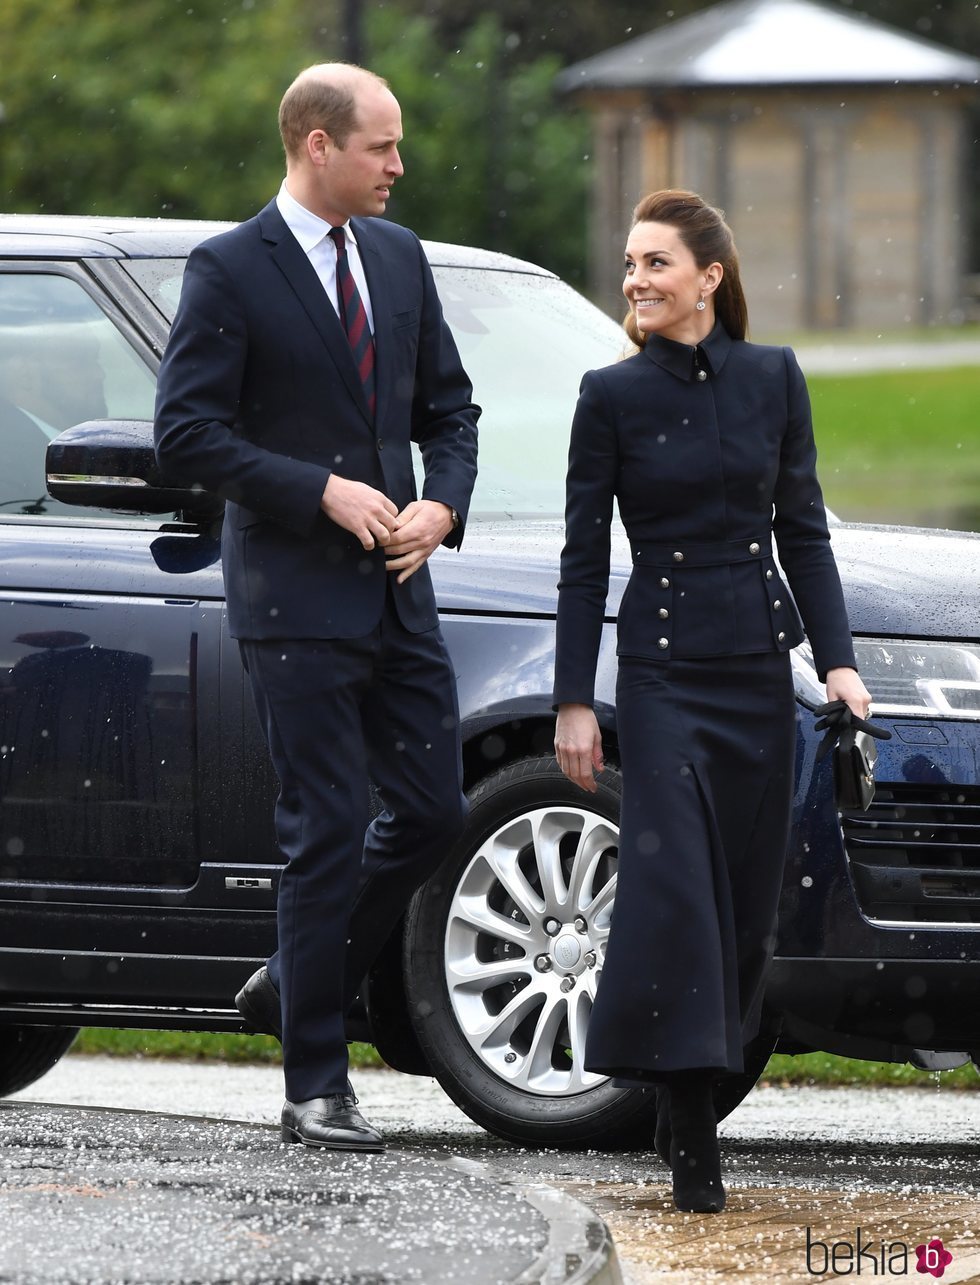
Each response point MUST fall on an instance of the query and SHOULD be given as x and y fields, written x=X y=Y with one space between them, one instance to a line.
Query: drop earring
x=700 y=305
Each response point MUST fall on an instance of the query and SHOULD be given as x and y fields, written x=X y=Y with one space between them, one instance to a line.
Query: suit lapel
x=376 y=272
x=302 y=278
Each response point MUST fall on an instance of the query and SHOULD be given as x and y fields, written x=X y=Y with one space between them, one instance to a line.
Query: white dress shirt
x=313 y=235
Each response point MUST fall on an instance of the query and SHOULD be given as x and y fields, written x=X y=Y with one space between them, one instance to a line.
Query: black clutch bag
x=854 y=770
x=855 y=754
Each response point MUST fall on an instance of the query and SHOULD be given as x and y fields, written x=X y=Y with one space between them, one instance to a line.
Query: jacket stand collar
x=683 y=360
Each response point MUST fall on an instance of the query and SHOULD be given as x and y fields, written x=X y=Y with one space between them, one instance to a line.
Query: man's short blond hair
x=323 y=96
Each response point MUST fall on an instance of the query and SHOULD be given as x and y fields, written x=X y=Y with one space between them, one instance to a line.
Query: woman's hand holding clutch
x=845 y=685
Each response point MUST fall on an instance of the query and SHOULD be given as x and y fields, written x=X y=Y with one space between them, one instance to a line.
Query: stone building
x=836 y=145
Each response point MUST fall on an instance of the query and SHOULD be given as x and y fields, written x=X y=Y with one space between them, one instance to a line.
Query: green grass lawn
x=825 y=1068
x=196 y=1046
x=900 y=446
x=810 y=1068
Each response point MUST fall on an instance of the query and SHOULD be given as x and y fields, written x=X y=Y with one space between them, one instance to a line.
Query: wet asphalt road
x=904 y=1162
x=108 y=1196
x=867 y=1138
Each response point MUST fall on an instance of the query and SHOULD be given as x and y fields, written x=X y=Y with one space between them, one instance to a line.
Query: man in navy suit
x=308 y=352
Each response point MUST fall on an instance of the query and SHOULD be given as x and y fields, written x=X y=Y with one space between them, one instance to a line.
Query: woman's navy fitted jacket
x=710 y=453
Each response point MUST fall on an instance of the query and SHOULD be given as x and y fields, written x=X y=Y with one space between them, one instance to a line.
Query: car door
x=118 y=796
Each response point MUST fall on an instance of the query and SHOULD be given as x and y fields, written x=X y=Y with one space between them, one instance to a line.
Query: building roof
x=770 y=43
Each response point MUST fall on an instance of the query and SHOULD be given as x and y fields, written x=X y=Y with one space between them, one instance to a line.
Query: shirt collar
x=308 y=228
x=679 y=359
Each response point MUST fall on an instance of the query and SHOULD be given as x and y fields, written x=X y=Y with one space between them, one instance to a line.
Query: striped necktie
x=354 y=319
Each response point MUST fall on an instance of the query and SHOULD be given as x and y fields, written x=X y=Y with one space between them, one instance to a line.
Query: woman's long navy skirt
x=707 y=750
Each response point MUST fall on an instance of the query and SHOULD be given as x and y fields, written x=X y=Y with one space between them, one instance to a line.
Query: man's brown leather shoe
x=258 y=1002
x=333 y=1122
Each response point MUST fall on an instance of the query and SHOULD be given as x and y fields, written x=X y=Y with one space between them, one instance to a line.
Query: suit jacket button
x=663 y=642
x=678 y=556
x=768 y=575
x=753 y=547
x=663 y=613
x=702 y=375
x=780 y=637
x=664 y=582
x=776 y=605
x=381 y=444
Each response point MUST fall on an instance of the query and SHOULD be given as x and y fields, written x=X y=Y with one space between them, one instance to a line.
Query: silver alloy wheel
x=525 y=942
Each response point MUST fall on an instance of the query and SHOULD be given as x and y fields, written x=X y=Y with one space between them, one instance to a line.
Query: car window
x=62 y=361
x=161 y=279
x=526 y=341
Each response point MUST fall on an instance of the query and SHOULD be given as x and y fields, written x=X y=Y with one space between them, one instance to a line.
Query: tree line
x=167 y=107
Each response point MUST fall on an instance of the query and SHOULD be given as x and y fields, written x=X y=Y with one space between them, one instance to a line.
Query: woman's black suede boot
x=694 y=1156
x=661 y=1137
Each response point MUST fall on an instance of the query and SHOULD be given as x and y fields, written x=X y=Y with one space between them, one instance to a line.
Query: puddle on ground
x=769 y=1235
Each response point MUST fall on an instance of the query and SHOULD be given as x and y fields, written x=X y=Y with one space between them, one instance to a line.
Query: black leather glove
x=838 y=721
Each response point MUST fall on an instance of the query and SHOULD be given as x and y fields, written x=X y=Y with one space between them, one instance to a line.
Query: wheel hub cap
x=567 y=952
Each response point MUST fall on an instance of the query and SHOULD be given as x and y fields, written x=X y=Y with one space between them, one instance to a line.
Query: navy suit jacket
x=706 y=471
x=259 y=400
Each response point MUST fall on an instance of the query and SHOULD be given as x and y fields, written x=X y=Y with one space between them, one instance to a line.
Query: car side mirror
x=110 y=464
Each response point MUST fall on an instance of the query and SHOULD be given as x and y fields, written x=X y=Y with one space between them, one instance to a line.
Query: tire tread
x=28 y=1052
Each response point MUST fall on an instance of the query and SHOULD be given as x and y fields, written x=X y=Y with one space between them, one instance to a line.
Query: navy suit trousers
x=336 y=713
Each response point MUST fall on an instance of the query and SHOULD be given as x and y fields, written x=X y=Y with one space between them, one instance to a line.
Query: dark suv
x=138 y=867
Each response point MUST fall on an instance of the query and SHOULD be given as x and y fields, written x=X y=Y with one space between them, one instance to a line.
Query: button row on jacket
x=663 y=613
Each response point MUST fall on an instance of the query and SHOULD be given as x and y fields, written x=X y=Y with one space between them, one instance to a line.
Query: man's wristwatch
x=455 y=517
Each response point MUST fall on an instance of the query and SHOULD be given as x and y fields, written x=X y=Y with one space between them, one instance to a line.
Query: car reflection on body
x=138 y=867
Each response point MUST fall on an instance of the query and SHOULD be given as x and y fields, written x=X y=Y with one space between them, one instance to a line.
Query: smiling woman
x=664 y=286
x=682 y=272
x=707 y=445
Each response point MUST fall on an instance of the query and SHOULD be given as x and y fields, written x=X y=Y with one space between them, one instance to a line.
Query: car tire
x=483 y=914
x=28 y=1052
x=472 y=933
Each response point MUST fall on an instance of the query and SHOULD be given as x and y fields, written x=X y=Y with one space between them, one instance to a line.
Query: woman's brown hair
x=704 y=231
